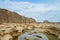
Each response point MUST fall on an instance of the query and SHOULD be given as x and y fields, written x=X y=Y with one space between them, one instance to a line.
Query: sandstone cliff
x=7 y=16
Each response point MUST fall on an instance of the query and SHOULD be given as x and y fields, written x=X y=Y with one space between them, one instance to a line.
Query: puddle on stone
x=32 y=36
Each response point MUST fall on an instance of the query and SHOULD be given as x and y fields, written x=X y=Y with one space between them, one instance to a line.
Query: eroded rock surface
x=11 y=31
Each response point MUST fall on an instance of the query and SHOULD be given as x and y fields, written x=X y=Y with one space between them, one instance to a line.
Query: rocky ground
x=11 y=31
x=49 y=28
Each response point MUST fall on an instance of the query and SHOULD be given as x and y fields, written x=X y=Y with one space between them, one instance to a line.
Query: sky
x=40 y=10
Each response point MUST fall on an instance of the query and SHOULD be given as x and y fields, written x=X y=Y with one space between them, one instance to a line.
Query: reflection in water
x=33 y=36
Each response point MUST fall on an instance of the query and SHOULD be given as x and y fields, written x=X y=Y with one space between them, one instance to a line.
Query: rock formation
x=12 y=24
x=7 y=16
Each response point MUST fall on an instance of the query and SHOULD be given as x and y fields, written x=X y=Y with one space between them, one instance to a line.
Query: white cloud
x=27 y=6
x=31 y=9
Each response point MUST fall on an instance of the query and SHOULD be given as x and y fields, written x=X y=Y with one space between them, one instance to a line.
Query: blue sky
x=33 y=1
x=38 y=9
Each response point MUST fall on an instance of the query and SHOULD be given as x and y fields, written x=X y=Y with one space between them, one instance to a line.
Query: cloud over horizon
x=48 y=10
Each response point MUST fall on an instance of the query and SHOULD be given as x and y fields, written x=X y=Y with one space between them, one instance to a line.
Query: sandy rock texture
x=11 y=31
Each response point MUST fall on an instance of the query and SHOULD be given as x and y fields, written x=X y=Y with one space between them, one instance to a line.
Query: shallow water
x=32 y=36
